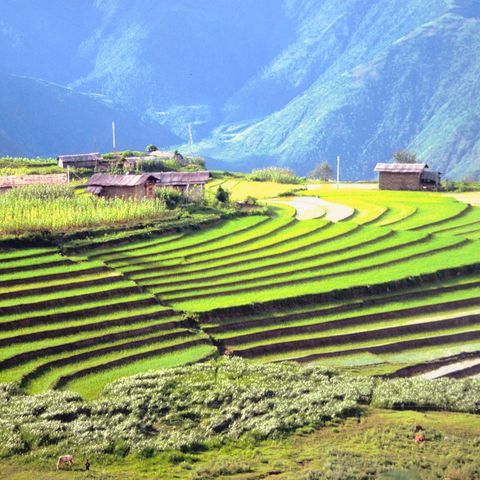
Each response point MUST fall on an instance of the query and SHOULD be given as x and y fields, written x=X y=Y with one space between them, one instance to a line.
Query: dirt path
x=473 y=198
x=313 y=207
x=454 y=367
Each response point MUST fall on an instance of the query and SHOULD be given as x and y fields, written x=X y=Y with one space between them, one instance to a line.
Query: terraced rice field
x=63 y=320
x=395 y=285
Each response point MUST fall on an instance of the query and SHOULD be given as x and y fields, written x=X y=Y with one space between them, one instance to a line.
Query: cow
x=419 y=438
x=63 y=460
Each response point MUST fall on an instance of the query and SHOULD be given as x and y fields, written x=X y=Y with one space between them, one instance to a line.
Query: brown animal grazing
x=419 y=438
x=63 y=460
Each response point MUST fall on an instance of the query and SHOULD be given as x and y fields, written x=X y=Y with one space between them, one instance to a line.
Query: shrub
x=222 y=195
x=151 y=148
x=322 y=172
x=404 y=156
x=274 y=174
x=170 y=197
x=198 y=161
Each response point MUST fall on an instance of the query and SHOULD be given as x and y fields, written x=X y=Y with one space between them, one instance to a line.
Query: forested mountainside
x=290 y=82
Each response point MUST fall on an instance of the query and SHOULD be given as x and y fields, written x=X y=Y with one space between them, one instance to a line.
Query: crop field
x=378 y=291
x=395 y=285
x=64 y=320
x=54 y=208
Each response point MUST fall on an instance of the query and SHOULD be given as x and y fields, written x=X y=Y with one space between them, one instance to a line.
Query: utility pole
x=113 y=137
x=338 y=171
x=190 y=138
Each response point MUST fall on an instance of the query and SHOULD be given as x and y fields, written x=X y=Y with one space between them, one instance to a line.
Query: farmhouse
x=407 y=176
x=122 y=186
x=84 y=160
x=144 y=185
x=187 y=182
x=16 y=181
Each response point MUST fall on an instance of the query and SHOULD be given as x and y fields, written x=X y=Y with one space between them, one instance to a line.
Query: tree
x=222 y=195
x=404 y=156
x=322 y=171
x=151 y=148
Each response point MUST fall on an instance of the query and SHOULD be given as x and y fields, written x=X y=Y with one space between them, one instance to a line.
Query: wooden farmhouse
x=122 y=186
x=144 y=185
x=16 y=181
x=407 y=176
x=192 y=183
x=84 y=160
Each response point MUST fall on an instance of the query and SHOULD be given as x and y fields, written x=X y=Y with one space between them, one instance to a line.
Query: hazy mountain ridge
x=82 y=122
x=291 y=82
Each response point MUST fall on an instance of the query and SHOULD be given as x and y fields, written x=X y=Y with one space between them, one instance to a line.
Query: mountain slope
x=289 y=82
x=44 y=119
x=414 y=84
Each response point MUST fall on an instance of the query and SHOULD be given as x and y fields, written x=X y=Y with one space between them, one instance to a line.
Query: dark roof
x=431 y=176
x=81 y=157
x=181 y=178
x=401 y=167
x=106 y=180
x=95 y=190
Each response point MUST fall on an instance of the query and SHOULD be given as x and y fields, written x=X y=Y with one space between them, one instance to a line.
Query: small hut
x=407 y=176
x=122 y=186
x=83 y=160
x=186 y=182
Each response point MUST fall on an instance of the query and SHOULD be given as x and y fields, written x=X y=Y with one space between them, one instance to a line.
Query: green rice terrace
x=392 y=287
x=281 y=319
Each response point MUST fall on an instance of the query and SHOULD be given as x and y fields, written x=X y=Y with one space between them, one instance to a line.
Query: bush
x=151 y=148
x=198 y=161
x=222 y=195
x=170 y=197
x=404 y=156
x=460 y=186
x=322 y=172
x=274 y=174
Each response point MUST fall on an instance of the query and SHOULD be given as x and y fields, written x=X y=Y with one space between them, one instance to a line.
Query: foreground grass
x=375 y=447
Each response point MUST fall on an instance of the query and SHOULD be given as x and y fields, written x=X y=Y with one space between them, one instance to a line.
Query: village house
x=122 y=186
x=191 y=183
x=16 y=181
x=144 y=185
x=84 y=160
x=407 y=176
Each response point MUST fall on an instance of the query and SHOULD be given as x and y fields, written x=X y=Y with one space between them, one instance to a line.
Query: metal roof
x=161 y=178
x=81 y=157
x=106 y=180
x=401 y=167
x=181 y=178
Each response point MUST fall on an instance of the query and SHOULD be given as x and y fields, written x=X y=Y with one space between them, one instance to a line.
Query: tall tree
x=404 y=156
x=322 y=171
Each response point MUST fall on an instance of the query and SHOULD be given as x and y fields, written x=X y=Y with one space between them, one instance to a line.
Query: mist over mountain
x=288 y=82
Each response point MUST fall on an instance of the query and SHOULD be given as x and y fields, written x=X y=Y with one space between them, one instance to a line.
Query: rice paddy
x=396 y=284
